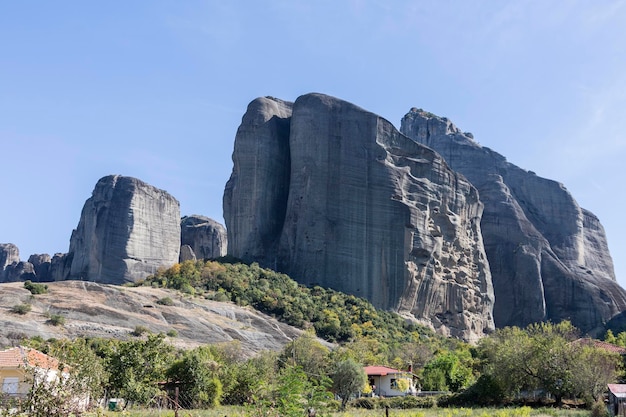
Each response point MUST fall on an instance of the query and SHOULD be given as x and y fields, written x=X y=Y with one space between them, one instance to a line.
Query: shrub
x=408 y=401
x=140 y=330
x=598 y=409
x=165 y=301
x=21 y=308
x=35 y=288
x=367 y=403
x=57 y=320
x=172 y=333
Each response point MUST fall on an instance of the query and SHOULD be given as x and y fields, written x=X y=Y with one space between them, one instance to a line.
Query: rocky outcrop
x=334 y=195
x=41 y=265
x=127 y=230
x=9 y=255
x=549 y=258
x=205 y=237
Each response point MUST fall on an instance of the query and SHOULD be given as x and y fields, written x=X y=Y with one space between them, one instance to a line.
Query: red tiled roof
x=380 y=370
x=602 y=345
x=617 y=388
x=19 y=357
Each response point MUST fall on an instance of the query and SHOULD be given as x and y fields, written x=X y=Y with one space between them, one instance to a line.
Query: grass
x=434 y=412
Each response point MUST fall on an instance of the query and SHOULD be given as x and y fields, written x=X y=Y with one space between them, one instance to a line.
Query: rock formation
x=205 y=237
x=334 y=195
x=9 y=255
x=127 y=230
x=549 y=258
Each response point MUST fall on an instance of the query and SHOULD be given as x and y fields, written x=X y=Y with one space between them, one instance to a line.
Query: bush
x=21 y=308
x=409 y=401
x=172 y=333
x=140 y=330
x=35 y=288
x=57 y=320
x=165 y=301
x=367 y=403
x=598 y=409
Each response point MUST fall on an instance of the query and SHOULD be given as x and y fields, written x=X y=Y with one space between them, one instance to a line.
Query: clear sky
x=156 y=89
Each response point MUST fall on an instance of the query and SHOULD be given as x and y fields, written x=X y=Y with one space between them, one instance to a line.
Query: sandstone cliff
x=334 y=195
x=549 y=258
x=127 y=230
x=204 y=237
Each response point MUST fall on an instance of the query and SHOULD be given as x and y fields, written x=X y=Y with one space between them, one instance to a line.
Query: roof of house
x=19 y=357
x=619 y=390
x=602 y=345
x=381 y=370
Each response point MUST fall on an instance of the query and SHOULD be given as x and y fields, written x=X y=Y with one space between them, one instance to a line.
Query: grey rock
x=9 y=255
x=361 y=209
x=127 y=230
x=255 y=198
x=19 y=271
x=548 y=257
x=187 y=254
x=206 y=237
x=41 y=264
x=60 y=266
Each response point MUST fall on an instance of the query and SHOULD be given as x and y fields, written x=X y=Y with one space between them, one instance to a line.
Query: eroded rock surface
x=205 y=237
x=127 y=230
x=549 y=258
x=334 y=195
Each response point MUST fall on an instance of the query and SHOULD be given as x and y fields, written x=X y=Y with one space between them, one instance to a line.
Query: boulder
x=549 y=258
x=206 y=237
x=334 y=195
x=127 y=230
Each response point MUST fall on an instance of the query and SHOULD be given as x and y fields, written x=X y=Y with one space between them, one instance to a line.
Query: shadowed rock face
x=127 y=230
x=549 y=258
x=205 y=237
x=334 y=195
x=9 y=255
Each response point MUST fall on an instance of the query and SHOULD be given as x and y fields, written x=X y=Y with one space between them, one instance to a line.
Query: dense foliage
x=335 y=316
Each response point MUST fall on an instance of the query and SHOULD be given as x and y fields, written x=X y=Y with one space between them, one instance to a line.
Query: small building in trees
x=21 y=367
x=389 y=382
x=617 y=399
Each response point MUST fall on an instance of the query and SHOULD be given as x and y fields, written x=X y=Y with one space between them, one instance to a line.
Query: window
x=10 y=384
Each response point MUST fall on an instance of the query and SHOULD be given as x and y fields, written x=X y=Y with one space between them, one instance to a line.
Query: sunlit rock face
x=127 y=230
x=334 y=195
x=549 y=258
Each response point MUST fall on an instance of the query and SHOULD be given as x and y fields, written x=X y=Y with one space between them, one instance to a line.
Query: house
x=617 y=399
x=389 y=382
x=21 y=366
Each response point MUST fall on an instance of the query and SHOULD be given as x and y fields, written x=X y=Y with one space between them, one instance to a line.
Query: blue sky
x=156 y=90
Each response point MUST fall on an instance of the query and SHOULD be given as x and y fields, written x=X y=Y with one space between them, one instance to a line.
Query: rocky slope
x=99 y=310
x=549 y=257
x=334 y=195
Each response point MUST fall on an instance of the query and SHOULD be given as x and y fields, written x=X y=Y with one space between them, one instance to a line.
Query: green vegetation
x=165 y=301
x=56 y=320
x=35 y=288
x=21 y=308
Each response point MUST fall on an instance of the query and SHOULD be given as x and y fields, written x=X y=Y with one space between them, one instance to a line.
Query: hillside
x=100 y=310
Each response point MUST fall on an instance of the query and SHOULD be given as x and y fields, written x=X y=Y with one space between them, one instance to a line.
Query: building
x=617 y=399
x=21 y=367
x=389 y=382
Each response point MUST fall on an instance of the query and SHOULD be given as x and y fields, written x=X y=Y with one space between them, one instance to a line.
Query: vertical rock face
x=9 y=255
x=127 y=230
x=256 y=194
x=204 y=236
x=362 y=209
x=548 y=257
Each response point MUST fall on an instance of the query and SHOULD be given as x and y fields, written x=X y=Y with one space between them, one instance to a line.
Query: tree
x=197 y=372
x=136 y=366
x=448 y=371
x=348 y=379
x=308 y=353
